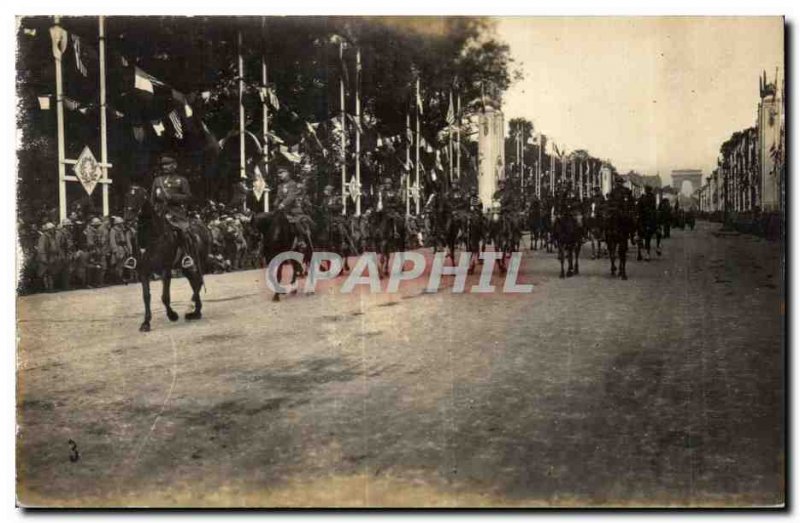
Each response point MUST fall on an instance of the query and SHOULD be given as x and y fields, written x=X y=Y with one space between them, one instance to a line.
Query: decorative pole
x=344 y=128
x=408 y=163
x=358 y=132
x=416 y=165
x=103 y=123
x=458 y=135
x=265 y=120
x=62 y=172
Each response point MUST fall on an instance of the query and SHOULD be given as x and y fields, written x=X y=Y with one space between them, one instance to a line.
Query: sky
x=649 y=94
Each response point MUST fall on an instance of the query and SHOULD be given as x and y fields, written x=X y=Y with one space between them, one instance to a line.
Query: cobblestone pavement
x=666 y=389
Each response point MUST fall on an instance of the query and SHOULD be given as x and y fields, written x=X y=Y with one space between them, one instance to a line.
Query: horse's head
x=135 y=201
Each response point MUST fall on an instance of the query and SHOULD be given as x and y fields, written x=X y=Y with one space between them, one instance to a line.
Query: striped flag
x=176 y=124
x=419 y=99
x=76 y=45
x=44 y=102
x=451 y=115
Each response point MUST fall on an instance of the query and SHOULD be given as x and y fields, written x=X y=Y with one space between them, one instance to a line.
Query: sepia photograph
x=400 y=261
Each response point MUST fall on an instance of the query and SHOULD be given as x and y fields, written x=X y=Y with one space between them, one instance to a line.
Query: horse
x=647 y=227
x=619 y=225
x=332 y=233
x=157 y=251
x=568 y=236
x=388 y=235
x=594 y=229
x=535 y=223
x=473 y=234
x=506 y=234
x=278 y=236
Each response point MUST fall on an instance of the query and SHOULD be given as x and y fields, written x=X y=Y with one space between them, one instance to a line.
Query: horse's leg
x=612 y=254
x=570 y=267
x=166 y=279
x=639 y=247
x=577 y=257
x=145 y=279
x=561 y=259
x=195 y=278
x=623 y=255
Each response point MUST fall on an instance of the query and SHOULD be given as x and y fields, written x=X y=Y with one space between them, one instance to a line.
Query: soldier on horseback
x=289 y=201
x=169 y=195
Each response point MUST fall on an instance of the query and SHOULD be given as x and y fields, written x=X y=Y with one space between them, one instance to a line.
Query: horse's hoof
x=638 y=258
x=172 y=315
x=276 y=297
x=561 y=275
x=194 y=315
x=624 y=277
x=144 y=327
x=569 y=274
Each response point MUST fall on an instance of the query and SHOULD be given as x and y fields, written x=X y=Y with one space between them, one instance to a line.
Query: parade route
x=666 y=389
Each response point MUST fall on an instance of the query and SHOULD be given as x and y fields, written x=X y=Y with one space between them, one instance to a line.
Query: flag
x=275 y=138
x=76 y=45
x=71 y=104
x=143 y=81
x=29 y=32
x=44 y=102
x=158 y=127
x=273 y=99
x=289 y=155
x=187 y=110
x=119 y=114
x=419 y=99
x=176 y=124
x=451 y=116
x=355 y=121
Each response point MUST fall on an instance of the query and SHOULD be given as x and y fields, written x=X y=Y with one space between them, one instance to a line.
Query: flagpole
x=408 y=163
x=62 y=182
x=539 y=169
x=344 y=124
x=103 y=122
x=358 y=131
x=416 y=164
x=552 y=174
x=265 y=119
x=450 y=140
x=522 y=155
x=242 y=173
x=458 y=136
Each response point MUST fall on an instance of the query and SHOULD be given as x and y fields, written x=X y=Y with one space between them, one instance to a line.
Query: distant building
x=692 y=176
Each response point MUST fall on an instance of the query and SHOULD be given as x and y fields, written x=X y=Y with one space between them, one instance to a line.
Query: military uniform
x=96 y=242
x=290 y=200
x=120 y=248
x=47 y=256
x=170 y=194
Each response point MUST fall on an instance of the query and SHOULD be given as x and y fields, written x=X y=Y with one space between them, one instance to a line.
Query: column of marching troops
x=87 y=250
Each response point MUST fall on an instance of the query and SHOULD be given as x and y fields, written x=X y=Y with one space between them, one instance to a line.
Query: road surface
x=666 y=389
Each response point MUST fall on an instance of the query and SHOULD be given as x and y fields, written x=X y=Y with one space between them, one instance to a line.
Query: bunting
x=76 y=45
x=143 y=81
x=176 y=124
x=451 y=115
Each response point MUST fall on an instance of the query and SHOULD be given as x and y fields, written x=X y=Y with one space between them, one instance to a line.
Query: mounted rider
x=170 y=194
x=289 y=200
